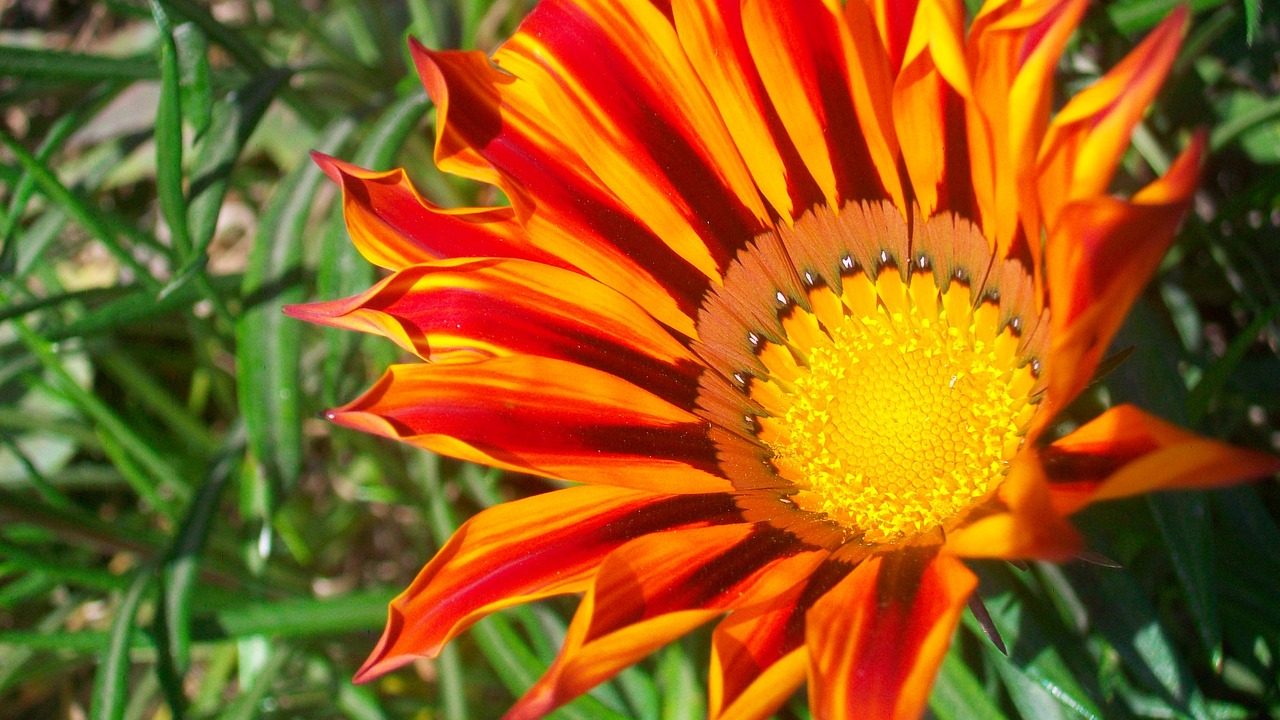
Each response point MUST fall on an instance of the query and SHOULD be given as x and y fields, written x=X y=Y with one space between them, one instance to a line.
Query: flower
x=794 y=290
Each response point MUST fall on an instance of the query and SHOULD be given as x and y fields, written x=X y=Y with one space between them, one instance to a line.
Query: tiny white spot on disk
x=782 y=299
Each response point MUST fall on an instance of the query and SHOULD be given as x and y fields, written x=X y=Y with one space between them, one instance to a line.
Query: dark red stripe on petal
x=544 y=416
x=877 y=638
x=503 y=134
x=656 y=587
x=522 y=550
x=600 y=77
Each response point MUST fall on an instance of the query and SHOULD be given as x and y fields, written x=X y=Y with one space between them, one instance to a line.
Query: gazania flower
x=794 y=290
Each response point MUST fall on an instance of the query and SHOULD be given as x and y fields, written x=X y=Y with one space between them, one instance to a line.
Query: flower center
x=899 y=378
x=899 y=422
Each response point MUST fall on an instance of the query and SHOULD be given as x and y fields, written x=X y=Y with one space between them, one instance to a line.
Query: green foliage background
x=182 y=536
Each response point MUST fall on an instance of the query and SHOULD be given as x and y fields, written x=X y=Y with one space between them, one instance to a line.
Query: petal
x=1126 y=452
x=520 y=551
x=771 y=689
x=543 y=416
x=876 y=640
x=893 y=21
x=1027 y=527
x=929 y=120
x=711 y=35
x=659 y=587
x=758 y=657
x=617 y=83
x=1088 y=136
x=1099 y=257
x=505 y=133
x=799 y=49
x=490 y=306
x=1014 y=50
x=394 y=227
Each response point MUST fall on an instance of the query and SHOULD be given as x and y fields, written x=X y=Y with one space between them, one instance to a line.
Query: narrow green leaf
x=63 y=66
x=168 y=135
x=1200 y=398
x=193 y=73
x=1183 y=519
x=269 y=344
x=82 y=211
x=109 y=683
x=959 y=695
x=1252 y=19
x=233 y=122
x=245 y=705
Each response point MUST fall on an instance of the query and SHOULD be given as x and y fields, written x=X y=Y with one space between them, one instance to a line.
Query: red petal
x=502 y=307
x=1126 y=452
x=1099 y=257
x=543 y=416
x=876 y=640
x=394 y=227
x=659 y=587
x=523 y=550
x=1088 y=136
x=799 y=50
x=620 y=88
x=506 y=135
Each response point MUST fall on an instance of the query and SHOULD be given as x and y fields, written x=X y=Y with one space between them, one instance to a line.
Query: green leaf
x=63 y=66
x=193 y=73
x=233 y=122
x=1183 y=519
x=269 y=343
x=109 y=694
x=959 y=695
x=173 y=204
x=1201 y=397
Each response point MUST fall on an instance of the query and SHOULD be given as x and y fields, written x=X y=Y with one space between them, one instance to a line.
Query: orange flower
x=794 y=289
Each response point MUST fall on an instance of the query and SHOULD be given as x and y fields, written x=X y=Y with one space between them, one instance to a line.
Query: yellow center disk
x=901 y=413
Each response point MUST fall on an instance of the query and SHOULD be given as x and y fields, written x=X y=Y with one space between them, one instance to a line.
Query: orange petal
x=1099 y=257
x=507 y=134
x=492 y=306
x=893 y=21
x=543 y=416
x=1126 y=452
x=757 y=653
x=876 y=640
x=1088 y=136
x=394 y=227
x=520 y=551
x=1029 y=526
x=1014 y=50
x=766 y=694
x=798 y=48
x=618 y=85
x=928 y=123
x=711 y=35
x=659 y=587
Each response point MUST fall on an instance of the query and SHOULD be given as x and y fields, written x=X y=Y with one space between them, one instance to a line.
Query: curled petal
x=660 y=587
x=543 y=416
x=394 y=227
x=1027 y=527
x=1099 y=257
x=1126 y=452
x=876 y=640
x=520 y=551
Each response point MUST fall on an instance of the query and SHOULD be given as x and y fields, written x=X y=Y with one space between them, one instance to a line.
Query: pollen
x=897 y=421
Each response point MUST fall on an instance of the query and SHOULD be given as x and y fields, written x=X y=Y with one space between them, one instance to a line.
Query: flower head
x=794 y=289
